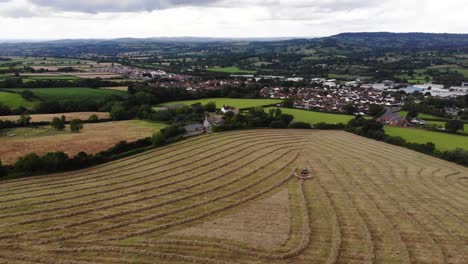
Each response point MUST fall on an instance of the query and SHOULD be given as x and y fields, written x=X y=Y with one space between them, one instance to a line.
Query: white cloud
x=225 y=18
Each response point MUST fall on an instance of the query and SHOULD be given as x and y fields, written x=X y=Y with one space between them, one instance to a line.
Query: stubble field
x=231 y=198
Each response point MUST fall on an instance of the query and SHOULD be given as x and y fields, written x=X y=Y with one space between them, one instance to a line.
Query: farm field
x=49 y=117
x=443 y=141
x=71 y=93
x=236 y=102
x=232 y=70
x=92 y=139
x=422 y=116
x=315 y=117
x=235 y=200
x=14 y=100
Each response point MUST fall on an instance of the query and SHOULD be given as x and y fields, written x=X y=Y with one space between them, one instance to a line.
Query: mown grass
x=316 y=117
x=443 y=141
x=236 y=102
x=71 y=93
x=421 y=115
x=232 y=70
x=14 y=100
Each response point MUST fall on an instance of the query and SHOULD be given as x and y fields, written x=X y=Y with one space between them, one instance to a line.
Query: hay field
x=231 y=198
x=92 y=139
x=49 y=117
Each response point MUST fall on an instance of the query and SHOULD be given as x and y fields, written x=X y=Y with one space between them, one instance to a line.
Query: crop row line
x=244 y=155
x=127 y=168
x=234 y=150
x=136 y=210
x=252 y=251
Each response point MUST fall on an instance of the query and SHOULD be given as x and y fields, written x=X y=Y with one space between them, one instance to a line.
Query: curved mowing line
x=182 y=209
x=404 y=253
x=140 y=252
x=112 y=170
x=131 y=179
x=296 y=251
x=89 y=220
x=244 y=155
x=410 y=218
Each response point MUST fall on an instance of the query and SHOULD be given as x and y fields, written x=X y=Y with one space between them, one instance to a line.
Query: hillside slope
x=232 y=198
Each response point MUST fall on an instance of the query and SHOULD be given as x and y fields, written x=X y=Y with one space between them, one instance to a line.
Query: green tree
x=57 y=123
x=118 y=112
x=376 y=110
x=288 y=102
x=24 y=120
x=350 y=109
x=210 y=107
x=453 y=126
x=29 y=163
x=93 y=118
x=27 y=94
x=76 y=125
x=158 y=139
x=3 y=169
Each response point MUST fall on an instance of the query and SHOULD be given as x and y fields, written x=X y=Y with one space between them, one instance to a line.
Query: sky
x=67 y=19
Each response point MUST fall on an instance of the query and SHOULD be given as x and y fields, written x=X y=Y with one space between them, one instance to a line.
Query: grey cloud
x=98 y=6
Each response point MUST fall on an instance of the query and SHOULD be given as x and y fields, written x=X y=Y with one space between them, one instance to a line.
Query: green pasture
x=236 y=102
x=14 y=100
x=71 y=93
x=232 y=70
x=315 y=117
x=443 y=141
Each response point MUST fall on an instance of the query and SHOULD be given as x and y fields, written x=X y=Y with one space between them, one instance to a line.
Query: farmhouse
x=227 y=108
x=393 y=119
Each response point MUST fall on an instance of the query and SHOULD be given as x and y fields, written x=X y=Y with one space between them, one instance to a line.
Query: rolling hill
x=232 y=198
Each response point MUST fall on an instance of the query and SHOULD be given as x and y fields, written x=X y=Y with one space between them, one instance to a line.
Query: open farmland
x=236 y=102
x=232 y=70
x=442 y=141
x=92 y=139
x=231 y=198
x=49 y=117
x=71 y=93
x=316 y=117
x=14 y=100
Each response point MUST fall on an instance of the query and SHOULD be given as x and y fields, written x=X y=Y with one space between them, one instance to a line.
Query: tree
x=76 y=125
x=453 y=126
x=93 y=118
x=27 y=94
x=29 y=163
x=118 y=112
x=411 y=115
x=158 y=139
x=376 y=110
x=350 y=109
x=288 y=102
x=210 y=107
x=24 y=120
x=58 y=123
x=3 y=169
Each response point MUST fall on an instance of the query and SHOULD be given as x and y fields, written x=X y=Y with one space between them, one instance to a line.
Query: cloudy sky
x=59 y=19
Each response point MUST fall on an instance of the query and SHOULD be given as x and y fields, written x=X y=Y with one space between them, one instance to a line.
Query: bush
x=3 y=170
x=326 y=126
x=29 y=163
x=210 y=107
x=58 y=123
x=24 y=120
x=300 y=125
x=278 y=124
x=158 y=139
x=76 y=125
x=93 y=118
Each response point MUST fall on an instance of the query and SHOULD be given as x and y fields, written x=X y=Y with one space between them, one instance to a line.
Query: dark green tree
x=453 y=126
x=58 y=123
x=76 y=125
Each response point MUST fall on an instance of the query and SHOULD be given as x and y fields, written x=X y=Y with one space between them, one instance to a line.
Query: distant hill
x=402 y=40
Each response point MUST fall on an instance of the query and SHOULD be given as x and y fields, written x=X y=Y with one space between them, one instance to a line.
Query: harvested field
x=117 y=88
x=49 y=117
x=92 y=139
x=367 y=202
